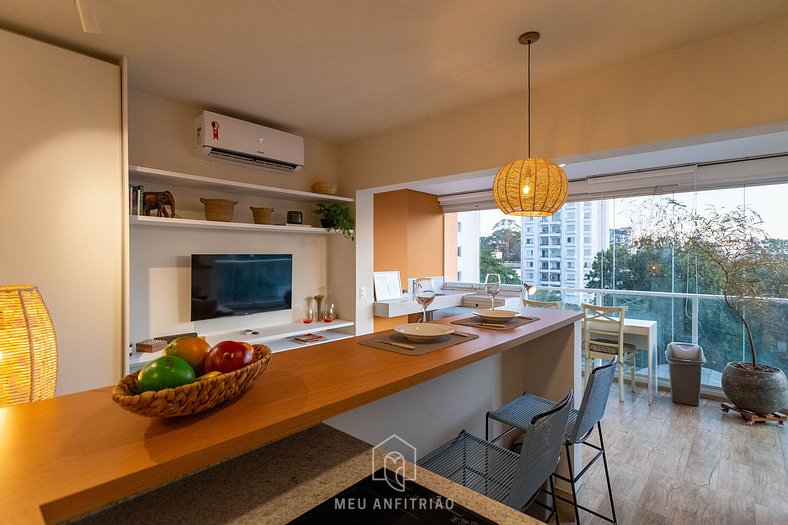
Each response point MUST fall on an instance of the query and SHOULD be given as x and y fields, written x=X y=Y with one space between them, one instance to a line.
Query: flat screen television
x=240 y=284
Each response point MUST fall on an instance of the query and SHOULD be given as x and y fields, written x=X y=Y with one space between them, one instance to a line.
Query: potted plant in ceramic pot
x=336 y=216
x=751 y=274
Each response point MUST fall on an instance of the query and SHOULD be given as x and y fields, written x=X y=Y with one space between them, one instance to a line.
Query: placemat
x=511 y=324
x=419 y=348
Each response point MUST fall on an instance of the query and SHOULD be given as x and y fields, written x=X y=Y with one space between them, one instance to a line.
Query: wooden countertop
x=65 y=456
x=321 y=461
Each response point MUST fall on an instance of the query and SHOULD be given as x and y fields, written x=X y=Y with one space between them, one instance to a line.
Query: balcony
x=696 y=318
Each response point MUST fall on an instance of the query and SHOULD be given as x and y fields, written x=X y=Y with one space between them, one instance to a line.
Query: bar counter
x=67 y=456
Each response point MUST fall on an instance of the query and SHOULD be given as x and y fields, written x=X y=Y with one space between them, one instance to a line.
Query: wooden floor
x=674 y=464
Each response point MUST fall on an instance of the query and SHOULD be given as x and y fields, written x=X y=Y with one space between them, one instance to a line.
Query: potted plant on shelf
x=336 y=216
x=751 y=273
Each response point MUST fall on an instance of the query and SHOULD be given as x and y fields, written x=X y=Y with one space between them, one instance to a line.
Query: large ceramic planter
x=762 y=390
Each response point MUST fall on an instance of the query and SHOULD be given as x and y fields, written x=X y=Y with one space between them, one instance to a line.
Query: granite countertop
x=278 y=482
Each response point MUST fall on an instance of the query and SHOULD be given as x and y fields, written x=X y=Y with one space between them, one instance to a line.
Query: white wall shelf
x=142 y=220
x=140 y=174
x=277 y=338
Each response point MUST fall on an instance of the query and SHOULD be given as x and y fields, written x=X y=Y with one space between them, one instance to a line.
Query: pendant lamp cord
x=529 y=100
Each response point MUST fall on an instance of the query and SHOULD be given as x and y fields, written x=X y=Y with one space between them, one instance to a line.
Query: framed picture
x=387 y=286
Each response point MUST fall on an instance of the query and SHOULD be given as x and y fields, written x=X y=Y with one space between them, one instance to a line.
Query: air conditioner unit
x=226 y=138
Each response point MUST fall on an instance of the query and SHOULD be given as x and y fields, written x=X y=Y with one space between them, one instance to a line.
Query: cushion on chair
x=604 y=349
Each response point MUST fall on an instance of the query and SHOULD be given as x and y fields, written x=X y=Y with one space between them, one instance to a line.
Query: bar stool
x=505 y=476
x=579 y=427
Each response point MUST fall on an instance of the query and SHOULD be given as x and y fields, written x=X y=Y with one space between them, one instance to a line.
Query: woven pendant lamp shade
x=530 y=187
x=28 y=350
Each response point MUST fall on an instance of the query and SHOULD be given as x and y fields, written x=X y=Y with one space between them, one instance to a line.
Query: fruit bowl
x=192 y=398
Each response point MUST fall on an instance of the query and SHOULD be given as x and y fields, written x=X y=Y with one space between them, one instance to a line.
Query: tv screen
x=240 y=284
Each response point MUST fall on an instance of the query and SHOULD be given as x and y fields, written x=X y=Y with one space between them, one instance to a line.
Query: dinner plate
x=423 y=332
x=495 y=316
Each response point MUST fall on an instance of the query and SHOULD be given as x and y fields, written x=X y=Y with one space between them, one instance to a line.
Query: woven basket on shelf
x=192 y=398
x=324 y=186
x=261 y=215
x=218 y=209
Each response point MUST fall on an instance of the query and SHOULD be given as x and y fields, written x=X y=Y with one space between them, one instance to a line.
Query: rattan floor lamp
x=28 y=349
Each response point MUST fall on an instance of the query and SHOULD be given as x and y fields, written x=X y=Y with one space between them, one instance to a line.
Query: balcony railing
x=696 y=318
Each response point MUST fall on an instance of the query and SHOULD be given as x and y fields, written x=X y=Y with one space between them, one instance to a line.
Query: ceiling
x=338 y=70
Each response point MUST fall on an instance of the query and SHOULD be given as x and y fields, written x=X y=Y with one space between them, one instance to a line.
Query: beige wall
x=160 y=134
x=61 y=200
x=735 y=81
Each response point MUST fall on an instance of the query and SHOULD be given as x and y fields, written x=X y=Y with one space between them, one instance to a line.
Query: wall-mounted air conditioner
x=226 y=138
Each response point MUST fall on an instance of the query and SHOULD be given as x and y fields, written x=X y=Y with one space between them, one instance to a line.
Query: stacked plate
x=423 y=332
x=495 y=316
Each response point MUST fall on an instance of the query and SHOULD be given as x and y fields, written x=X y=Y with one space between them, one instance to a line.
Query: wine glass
x=424 y=293
x=492 y=285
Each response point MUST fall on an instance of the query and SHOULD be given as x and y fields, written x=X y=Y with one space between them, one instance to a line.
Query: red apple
x=227 y=356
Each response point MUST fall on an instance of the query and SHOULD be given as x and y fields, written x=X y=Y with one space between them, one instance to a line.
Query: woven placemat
x=418 y=348
x=511 y=324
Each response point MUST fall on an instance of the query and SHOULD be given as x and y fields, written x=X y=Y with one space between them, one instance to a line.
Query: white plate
x=423 y=332
x=495 y=316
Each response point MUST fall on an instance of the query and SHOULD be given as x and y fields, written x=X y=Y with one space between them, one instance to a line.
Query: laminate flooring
x=675 y=464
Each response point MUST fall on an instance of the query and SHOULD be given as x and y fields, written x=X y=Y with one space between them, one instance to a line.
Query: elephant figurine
x=157 y=200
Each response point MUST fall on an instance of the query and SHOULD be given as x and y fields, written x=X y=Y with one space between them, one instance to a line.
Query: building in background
x=557 y=251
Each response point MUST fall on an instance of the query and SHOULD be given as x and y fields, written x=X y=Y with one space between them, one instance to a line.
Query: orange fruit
x=191 y=349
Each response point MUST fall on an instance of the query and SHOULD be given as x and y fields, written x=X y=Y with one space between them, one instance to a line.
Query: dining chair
x=556 y=305
x=501 y=474
x=579 y=427
x=603 y=336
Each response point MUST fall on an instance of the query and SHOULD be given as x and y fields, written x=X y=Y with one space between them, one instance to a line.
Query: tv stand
x=278 y=338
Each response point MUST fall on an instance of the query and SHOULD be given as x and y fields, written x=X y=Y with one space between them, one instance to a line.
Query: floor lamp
x=28 y=348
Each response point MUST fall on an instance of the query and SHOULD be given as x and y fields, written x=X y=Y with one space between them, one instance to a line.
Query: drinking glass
x=329 y=312
x=308 y=315
x=492 y=285
x=424 y=293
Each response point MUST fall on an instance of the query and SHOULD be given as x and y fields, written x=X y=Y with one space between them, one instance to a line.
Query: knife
x=392 y=343
x=495 y=325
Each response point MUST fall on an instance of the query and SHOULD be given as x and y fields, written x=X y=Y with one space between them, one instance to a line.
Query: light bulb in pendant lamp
x=530 y=187
x=28 y=349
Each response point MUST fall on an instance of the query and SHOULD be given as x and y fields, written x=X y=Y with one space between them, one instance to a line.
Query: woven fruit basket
x=219 y=209
x=192 y=398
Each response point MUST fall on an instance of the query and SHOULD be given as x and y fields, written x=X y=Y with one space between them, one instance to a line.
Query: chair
x=579 y=427
x=505 y=476
x=556 y=305
x=603 y=337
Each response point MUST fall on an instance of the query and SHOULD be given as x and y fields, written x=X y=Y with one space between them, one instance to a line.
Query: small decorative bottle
x=309 y=312
x=321 y=294
x=329 y=309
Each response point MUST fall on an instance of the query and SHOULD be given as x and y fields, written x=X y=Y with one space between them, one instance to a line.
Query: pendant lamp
x=530 y=187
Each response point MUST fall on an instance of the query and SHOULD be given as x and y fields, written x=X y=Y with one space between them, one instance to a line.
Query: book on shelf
x=135 y=199
x=308 y=338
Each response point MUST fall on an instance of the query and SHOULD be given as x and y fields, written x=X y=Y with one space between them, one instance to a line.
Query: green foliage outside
x=505 y=238
x=488 y=263
x=705 y=264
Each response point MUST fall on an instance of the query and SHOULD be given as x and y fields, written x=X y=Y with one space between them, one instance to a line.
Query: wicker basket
x=218 y=209
x=192 y=398
x=261 y=215
x=325 y=187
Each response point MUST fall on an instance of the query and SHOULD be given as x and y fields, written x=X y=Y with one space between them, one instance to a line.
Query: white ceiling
x=337 y=70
